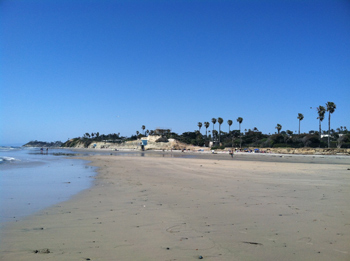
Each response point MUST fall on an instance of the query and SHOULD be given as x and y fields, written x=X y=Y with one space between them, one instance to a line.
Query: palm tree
x=143 y=128
x=213 y=120
x=330 y=108
x=321 y=112
x=215 y=133
x=220 y=121
x=199 y=126
x=300 y=118
x=206 y=125
x=229 y=122
x=279 y=128
x=240 y=120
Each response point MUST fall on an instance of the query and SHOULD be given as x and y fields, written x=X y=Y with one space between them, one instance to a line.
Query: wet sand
x=170 y=208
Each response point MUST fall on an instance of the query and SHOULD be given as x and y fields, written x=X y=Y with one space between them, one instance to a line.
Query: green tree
x=229 y=122
x=300 y=118
x=321 y=112
x=330 y=108
x=143 y=128
x=240 y=120
x=199 y=126
x=206 y=125
x=279 y=128
x=213 y=120
x=220 y=121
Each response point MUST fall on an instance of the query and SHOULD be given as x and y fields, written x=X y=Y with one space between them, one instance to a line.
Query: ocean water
x=31 y=180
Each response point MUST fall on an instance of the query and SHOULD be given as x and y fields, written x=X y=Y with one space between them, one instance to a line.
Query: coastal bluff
x=156 y=142
x=152 y=142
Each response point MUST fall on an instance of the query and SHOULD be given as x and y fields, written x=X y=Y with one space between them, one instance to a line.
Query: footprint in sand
x=42 y=251
x=306 y=240
x=174 y=229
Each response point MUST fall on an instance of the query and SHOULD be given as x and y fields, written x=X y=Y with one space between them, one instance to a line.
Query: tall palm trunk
x=240 y=135
x=320 y=128
x=329 y=129
x=213 y=133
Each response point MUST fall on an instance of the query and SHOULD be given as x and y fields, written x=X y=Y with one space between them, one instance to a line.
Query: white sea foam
x=7 y=159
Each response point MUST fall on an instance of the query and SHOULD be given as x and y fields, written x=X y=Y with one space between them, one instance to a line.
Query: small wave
x=9 y=148
x=7 y=159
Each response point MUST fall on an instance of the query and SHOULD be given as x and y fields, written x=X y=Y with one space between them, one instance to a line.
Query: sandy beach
x=171 y=208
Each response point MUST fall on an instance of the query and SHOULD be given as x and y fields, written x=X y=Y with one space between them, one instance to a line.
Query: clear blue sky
x=70 y=67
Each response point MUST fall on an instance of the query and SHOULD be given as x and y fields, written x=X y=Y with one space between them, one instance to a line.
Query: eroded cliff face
x=152 y=144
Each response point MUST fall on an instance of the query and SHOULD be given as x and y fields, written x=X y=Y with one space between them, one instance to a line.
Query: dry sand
x=154 y=208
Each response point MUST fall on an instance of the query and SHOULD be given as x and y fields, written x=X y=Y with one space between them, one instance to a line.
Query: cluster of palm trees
x=143 y=127
x=321 y=111
x=220 y=121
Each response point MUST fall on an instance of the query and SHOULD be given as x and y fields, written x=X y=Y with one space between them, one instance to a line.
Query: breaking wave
x=7 y=159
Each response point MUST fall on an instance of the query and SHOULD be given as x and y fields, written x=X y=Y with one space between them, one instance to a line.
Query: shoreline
x=34 y=181
x=155 y=208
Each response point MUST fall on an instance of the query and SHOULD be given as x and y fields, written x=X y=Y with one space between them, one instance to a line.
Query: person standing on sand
x=231 y=153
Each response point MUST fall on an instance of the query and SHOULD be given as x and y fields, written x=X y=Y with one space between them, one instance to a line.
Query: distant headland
x=45 y=144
